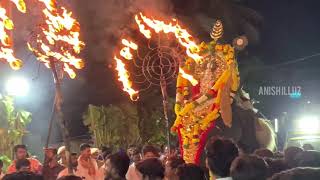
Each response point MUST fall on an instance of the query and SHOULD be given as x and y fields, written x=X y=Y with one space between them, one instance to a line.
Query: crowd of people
x=224 y=161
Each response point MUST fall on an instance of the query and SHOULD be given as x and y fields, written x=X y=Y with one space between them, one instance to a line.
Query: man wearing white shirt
x=148 y=152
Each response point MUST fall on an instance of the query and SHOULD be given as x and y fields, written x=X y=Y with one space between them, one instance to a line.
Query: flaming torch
x=6 y=52
x=160 y=65
x=56 y=44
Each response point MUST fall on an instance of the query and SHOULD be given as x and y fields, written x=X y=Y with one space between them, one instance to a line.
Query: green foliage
x=126 y=123
x=13 y=124
x=112 y=125
x=6 y=161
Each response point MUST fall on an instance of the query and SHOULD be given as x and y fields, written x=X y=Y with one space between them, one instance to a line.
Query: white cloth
x=83 y=172
x=132 y=173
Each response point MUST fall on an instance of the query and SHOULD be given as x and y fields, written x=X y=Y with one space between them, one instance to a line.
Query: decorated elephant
x=209 y=102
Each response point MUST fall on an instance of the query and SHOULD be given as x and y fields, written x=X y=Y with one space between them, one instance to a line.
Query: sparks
x=59 y=39
x=124 y=78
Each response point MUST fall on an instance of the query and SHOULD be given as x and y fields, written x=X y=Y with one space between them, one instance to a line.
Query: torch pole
x=163 y=86
x=63 y=124
x=53 y=111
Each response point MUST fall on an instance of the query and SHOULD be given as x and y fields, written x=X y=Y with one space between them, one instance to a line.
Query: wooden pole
x=59 y=115
x=53 y=111
x=163 y=85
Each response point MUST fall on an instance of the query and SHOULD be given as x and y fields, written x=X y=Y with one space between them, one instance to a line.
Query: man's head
x=20 y=151
x=150 y=151
x=131 y=150
x=74 y=160
x=151 y=168
x=171 y=166
x=136 y=157
x=50 y=153
x=23 y=165
x=220 y=154
x=85 y=150
x=249 y=167
x=117 y=165
x=190 y=172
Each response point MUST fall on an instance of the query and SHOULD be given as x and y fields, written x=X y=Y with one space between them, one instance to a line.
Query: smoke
x=103 y=22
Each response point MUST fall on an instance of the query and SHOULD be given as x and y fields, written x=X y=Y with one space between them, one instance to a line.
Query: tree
x=112 y=125
x=13 y=125
x=126 y=123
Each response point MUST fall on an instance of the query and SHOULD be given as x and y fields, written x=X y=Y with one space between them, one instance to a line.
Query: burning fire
x=145 y=25
x=124 y=78
x=125 y=51
x=184 y=38
x=21 y=5
x=59 y=40
x=6 y=52
x=189 y=77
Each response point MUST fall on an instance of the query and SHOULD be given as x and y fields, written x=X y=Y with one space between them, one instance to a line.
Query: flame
x=59 y=39
x=125 y=51
x=182 y=35
x=130 y=44
x=145 y=32
x=6 y=52
x=124 y=78
x=21 y=5
x=189 y=77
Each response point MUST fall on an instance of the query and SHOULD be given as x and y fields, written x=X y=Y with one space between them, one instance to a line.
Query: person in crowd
x=249 y=167
x=190 y=172
x=20 y=152
x=131 y=150
x=62 y=156
x=136 y=157
x=219 y=155
x=307 y=147
x=117 y=165
x=87 y=167
x=299 y=173
x=74 y=165
x=171 y=166
x=290 y=154
x=105 y=151
x=148 y=151
x=95 y=152
x=264 y=153
x=51 y=167
x=1 y=171
x=308 y=159
x=23 y=172
x=150 y=169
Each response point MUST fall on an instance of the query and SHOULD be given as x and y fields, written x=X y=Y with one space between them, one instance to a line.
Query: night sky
x=285 y=31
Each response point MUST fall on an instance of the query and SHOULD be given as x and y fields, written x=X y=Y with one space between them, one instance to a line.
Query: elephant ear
x=225 y=104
